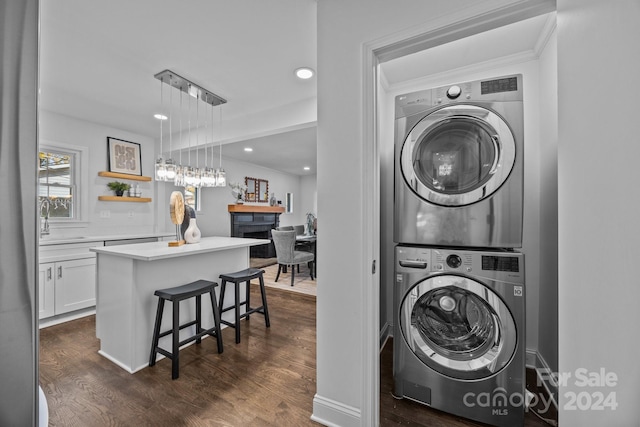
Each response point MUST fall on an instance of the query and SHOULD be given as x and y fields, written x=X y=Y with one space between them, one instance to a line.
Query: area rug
x=302 y=283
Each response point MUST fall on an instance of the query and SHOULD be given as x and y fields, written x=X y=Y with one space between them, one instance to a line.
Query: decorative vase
x=239 y=202
x=192 y=233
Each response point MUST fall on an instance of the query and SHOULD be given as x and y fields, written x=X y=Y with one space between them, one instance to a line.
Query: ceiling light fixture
x=307 y=168
x=160 y=168
x=186 y=175
x=248 y=149
x=304 y=73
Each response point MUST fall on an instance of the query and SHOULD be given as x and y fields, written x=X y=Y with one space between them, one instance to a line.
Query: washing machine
x=459 y=320
x=459 y=165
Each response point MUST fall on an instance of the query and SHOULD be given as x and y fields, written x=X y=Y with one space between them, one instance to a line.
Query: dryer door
x=457 y=326
x=458 y=155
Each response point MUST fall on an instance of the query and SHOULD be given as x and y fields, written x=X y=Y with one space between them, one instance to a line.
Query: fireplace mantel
x=255 y=208
x=257 y=222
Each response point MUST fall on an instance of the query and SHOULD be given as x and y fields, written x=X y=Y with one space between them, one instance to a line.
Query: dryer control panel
x=504 y=266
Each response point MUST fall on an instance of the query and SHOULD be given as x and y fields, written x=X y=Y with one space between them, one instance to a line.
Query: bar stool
x=238 y=277
x=175 y=295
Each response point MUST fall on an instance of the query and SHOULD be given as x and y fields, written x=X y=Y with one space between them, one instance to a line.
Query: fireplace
x=255 y=222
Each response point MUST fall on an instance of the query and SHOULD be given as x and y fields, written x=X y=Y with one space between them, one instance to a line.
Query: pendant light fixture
x=179 y=179
x=187 y=175
x=160 y=168
x=170 y=166
x=221 y=176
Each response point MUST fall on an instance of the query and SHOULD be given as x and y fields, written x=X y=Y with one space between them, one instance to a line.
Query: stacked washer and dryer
x=459 y=305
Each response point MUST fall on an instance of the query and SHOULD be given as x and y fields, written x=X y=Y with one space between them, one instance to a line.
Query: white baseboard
x=385 y=333
x=535 y=361
x=61 y=318
x=334 y=414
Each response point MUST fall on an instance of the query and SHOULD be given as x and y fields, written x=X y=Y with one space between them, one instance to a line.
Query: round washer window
x=458 y=326
x=458 y=155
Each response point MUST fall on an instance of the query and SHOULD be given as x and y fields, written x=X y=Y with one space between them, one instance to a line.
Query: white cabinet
x=46 y=290
x=66 y=286
x=67 y=278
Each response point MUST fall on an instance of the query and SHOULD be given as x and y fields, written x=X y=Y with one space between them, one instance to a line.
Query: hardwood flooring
x=268 y=379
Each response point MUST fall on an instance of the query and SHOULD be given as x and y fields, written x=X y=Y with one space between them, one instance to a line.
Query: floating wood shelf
x=124 y=176
x=255 y=208
x=124 y=199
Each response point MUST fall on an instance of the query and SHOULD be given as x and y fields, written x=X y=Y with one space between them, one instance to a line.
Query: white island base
x=128 y=276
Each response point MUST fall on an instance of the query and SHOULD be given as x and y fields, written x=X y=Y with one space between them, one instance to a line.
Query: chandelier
x=180 y=174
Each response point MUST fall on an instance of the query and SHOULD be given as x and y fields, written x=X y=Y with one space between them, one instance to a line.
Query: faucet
x=45 y=207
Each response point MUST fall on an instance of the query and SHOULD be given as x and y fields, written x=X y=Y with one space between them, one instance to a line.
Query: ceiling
x=98 y=59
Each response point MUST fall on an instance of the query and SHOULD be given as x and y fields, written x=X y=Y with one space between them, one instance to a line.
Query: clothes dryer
x=459 y=165
x=459 y=320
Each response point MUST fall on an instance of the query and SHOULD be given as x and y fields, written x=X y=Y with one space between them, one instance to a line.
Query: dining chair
x=285 y=242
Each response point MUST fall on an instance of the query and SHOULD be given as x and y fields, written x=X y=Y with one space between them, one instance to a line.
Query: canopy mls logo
x=498 y=400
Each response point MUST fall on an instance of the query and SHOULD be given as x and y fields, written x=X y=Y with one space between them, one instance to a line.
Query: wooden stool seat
x=236 y=278
x=175 y=295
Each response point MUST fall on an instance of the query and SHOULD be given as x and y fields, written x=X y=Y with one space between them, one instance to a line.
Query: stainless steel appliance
x=459 y=165
x=459 y=319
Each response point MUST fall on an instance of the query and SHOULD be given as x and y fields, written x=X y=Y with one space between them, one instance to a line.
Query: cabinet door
x=75 y=285
x=46 y=290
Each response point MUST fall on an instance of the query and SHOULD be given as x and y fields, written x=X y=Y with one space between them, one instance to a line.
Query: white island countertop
x=161 y=250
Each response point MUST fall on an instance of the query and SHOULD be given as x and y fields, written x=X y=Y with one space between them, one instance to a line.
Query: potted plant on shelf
x=118 y=187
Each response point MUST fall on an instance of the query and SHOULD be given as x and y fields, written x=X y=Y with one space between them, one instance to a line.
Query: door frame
x=433 y=33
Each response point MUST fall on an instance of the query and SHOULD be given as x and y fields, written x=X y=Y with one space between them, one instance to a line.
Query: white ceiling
x=523 y=37
x=98 y=59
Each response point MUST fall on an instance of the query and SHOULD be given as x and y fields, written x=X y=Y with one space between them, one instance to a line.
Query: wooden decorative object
x=176 y=211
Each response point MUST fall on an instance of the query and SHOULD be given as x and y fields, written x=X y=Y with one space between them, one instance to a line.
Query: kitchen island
x=128 y=276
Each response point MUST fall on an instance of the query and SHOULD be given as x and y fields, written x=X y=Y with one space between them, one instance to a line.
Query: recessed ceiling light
x=307 y=168
x=248 y=149
x=304 y=73
x=160 y=116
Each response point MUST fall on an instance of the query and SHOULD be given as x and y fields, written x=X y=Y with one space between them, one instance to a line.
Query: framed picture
x=124 y=156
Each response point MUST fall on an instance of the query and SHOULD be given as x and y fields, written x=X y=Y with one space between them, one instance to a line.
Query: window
x=63 y=184
x=192 y=196
x=56 y=190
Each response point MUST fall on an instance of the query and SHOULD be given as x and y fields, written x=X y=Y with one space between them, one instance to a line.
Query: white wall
x=343 y=27
x=599 y=231
x=213 y=218
x=139 y=218
x=134 y=218
x=547 y=313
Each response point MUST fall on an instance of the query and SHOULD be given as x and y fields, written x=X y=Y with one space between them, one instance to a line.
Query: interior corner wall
x=547 y=314
x=598 y=205
x=343 y=28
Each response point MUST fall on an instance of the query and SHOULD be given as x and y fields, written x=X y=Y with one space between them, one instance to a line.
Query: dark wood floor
x=269 y=379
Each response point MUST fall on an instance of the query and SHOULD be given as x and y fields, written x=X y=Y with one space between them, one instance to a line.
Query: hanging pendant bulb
x=178 y=181
x=170 y=166
x=160 y=169
x=221 y=176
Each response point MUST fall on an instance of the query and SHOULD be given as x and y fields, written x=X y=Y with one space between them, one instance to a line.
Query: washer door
x=458 y=327
x=458 y=155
